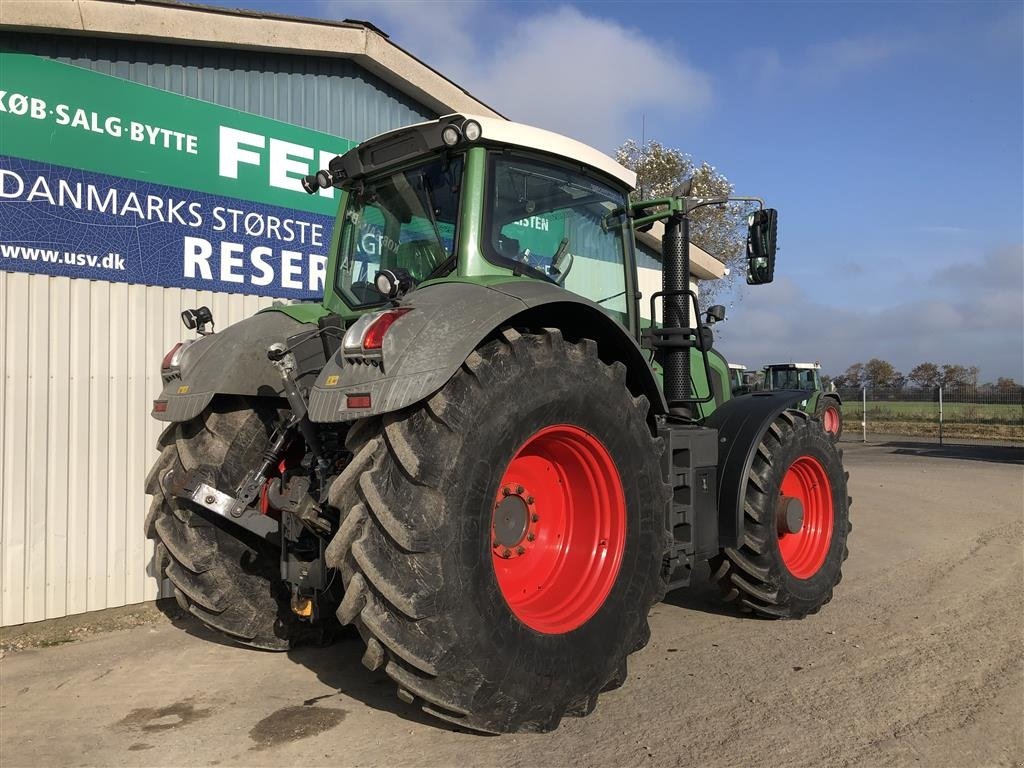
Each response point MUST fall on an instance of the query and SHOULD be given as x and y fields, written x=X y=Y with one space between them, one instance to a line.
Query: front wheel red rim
x=558 y=529
x=804 y=550
x=831 y=420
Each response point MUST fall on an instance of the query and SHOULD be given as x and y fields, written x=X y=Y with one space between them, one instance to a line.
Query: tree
x=720 y=230
x=854 y=377
x=879 y=373
x=1006 y=384
x=955 y=376
x=924 y=375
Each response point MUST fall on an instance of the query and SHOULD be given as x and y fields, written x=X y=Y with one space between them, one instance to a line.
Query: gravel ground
x=917 y=661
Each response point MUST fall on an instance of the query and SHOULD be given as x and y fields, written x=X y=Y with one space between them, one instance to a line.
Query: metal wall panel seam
x=58 y=451
x=36 y=449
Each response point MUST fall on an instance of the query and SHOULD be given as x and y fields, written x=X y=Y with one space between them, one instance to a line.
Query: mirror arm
x=682 y=205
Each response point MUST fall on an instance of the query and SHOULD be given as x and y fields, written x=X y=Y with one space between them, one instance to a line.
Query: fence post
x=940 y=414
x=864 y=414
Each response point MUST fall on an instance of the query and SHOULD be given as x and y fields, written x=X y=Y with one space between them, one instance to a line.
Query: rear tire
x=829 y=412
x=416 y=546
x=779 y=572
x=223 y=575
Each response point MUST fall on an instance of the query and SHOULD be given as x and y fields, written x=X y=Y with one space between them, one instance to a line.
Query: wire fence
x=953 y=415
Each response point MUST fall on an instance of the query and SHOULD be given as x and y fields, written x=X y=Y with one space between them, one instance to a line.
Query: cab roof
x=499 y=131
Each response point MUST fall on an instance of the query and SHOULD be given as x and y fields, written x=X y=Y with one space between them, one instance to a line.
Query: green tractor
x=471 y=450
x=827 y=407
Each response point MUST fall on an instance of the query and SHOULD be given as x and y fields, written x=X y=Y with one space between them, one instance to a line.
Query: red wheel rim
x=558 y=529
x=804 y=551
x=831 y=420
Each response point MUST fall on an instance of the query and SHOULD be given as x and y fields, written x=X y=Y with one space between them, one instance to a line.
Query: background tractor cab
x=792 y=376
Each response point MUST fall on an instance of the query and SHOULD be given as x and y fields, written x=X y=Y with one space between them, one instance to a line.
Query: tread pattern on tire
x=222 y=577
x=393 y=527
x=746 y=574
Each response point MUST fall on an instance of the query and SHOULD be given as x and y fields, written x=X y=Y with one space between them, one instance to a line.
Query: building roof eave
x=200 y=25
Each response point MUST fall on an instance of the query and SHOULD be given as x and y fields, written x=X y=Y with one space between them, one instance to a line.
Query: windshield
x=793 y=379
x=404 y=220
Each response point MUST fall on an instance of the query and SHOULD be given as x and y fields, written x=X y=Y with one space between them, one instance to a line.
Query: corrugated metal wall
x=334 y=96
x=81 y=362
x=80 y=359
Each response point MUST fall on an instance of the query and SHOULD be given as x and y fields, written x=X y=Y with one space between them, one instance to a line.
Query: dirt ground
x=917 y=661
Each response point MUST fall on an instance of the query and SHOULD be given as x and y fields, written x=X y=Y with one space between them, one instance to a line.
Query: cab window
x=558 y=224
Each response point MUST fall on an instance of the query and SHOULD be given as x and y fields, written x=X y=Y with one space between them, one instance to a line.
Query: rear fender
x=229 y=362
x=742 y=423
x=426 y=346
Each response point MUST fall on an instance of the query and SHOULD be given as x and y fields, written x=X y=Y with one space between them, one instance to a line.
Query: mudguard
x=231 y=362
x=426 y=346
x=741 y=423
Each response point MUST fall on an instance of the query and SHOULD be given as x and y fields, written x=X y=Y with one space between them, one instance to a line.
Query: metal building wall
x=79 y=359
x=80 y=367
x=335 y=96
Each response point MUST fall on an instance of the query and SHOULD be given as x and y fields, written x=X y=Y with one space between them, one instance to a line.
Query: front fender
x=230 y=362
x=741 y=423
x=425 y=348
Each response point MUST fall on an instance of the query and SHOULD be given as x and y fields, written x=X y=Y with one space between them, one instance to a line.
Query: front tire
x=829 y=412
x=451 y=514
x=796 y=522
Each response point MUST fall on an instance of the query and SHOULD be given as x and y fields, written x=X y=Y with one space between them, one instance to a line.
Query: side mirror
x=715 y=314
x=762 y=227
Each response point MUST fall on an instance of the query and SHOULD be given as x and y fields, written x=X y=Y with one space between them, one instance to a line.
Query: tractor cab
x=804 y=376
x=477 y=199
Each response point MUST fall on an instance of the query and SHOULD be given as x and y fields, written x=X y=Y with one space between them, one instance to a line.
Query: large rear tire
x=796 y=519
x=223 y=575
x=456 y=514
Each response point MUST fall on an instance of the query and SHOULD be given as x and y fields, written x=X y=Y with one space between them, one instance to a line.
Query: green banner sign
x=65 y=115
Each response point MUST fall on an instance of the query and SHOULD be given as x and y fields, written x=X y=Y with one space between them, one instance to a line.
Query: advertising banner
x=105 y=179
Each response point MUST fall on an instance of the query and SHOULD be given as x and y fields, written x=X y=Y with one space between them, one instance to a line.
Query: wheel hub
x=790 y=514
x=513 y=520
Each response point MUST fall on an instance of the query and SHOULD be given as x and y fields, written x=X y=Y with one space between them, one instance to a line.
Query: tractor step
x=690 y=466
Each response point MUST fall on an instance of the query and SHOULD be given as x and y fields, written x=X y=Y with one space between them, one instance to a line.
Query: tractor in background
x=826 y=406
x=472 y=451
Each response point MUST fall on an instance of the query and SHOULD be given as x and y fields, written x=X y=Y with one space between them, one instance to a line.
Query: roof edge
x=166 y=21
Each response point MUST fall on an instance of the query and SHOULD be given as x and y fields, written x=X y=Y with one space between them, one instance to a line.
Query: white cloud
x=557 y=67
x=822 y=64
x=974 y=315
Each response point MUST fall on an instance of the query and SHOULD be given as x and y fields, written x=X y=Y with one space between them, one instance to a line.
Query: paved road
x=917 y=661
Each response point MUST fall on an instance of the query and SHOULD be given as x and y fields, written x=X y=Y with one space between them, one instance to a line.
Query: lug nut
x=505 y=491
x=519 y=489
x=507 y=553
x=534 y=517
x=520 y=550
x=530 y=537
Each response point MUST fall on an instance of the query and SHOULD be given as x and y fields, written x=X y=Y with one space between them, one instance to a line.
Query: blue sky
x=890 y=136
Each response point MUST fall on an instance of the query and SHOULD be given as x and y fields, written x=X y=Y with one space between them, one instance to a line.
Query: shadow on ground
x=993 y=453
x=337 y=664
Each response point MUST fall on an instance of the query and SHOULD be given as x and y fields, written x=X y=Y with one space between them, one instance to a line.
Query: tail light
x=368 y=332
x=172 y=359
x=374 y=337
